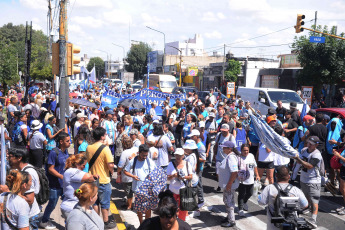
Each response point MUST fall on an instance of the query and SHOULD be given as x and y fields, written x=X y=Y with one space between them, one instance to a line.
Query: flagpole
x=148 y=86
x=3 y=157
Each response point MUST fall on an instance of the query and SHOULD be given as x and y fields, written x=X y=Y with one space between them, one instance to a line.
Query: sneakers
x=109 y=225
x=312 y=223
x=196 y=213
x=241 y=213
x=245 y=207
x=341 y=211
x=228 y=224
x=47 y=225
x=218 y=189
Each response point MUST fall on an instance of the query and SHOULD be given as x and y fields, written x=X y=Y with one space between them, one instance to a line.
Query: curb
x=118 y=219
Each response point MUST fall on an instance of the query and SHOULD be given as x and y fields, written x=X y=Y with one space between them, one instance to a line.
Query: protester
x=101 y=163
x=17 y=209
x=37 y=143
x=50 y=134
x=83 y=216
x=164 y=146
x=73 y=178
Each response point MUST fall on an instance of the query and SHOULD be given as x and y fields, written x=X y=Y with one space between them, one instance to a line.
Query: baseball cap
x=221 y=103
x=151 y=139
x=190 y=144
x=270 y=118
x=212 y=115
x=155 y=122
x=201 y=124
x=228 y=144
x=224 y=127
x=313 y=140
x=179 y=151
x=312 y=112
x=271 y=111
x=80 y=115
x=194 y=132
x=110 y=112
x=173 y=108
x=133 y=131
x=293 y=105
x=307 y=118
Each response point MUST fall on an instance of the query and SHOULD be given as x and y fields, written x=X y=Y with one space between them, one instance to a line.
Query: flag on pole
x=3 y=157
x=92 y=76
x=304 y=110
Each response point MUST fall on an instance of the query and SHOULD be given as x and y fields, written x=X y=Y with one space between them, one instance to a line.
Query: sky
x=247 y=27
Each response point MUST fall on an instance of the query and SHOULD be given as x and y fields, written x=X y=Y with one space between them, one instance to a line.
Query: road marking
x=118 y=219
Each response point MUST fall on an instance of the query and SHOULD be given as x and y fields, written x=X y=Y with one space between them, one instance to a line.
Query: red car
x=332 y=112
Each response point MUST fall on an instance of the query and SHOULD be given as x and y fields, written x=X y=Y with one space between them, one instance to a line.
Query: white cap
x=80 y=115
x=155 y=122
x=194 y=132
x=179 y=151
x=201 y=124
x=151 y=139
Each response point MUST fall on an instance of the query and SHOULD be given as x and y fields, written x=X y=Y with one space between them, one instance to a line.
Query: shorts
x=265 y=165
x=327 y=159
x=342 y=173
x=104 y=196
x=311 y=191
x=128 y=189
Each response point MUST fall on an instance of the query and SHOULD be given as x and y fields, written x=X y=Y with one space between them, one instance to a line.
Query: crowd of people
x=78 y=162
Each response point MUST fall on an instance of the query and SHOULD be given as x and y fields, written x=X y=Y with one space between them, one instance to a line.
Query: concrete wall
x=252 y=71
x=192 y=60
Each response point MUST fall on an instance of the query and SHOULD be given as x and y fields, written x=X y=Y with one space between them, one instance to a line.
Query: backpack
x=43 y=196
x=243 y=172
x=17 y=136
x=277 y=204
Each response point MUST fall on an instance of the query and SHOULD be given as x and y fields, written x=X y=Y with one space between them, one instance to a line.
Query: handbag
x=335 y=163
x=188 y=195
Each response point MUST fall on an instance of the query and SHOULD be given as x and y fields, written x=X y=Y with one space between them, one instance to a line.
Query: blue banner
x=145 y=96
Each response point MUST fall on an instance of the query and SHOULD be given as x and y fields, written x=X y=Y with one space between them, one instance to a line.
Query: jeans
x=112 y=149
x=200 y=189
x=34 y=221
x=245 y=191
x=229 y=201
x=211 y=152
x=104 y=196
x=55 y=193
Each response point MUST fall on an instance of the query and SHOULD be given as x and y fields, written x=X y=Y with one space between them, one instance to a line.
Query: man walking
x=101 y=163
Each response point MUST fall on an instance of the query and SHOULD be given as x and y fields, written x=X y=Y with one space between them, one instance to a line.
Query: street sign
x=317 y=39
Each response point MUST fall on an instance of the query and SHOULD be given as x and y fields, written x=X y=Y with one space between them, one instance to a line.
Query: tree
x=99 y=65
x=232 y=70
x=14 y=35
x=322 y=63
x=8 y=64
x=137 y=59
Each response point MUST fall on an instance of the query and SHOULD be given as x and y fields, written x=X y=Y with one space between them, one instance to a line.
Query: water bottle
x=257 y=187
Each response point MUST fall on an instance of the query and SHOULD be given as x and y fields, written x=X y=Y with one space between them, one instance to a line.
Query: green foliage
x=8 y=64
x=14 y=35
x=137 y=59
x=232 y=70
x=98 y=63
x=322 y=63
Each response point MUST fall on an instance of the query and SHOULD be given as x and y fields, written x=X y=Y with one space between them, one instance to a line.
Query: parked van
x=164 y=82
x=263 y=98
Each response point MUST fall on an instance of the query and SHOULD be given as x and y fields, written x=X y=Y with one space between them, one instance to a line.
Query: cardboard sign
x=230 y=89
x=307 y=93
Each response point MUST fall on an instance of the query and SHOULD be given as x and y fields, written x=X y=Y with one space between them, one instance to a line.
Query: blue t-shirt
x=59 y=166
x=53 y=106
x=205 y=113
x=142 y=129
x=51 y=142
x=240 y=137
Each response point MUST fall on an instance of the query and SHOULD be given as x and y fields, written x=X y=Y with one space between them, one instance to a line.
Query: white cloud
x=213 y=35
x=35 y=4
x=149 y=20
x=92 y=3
x=338 y=5
x=212 y=17
x=88 y=21
x=249 y=5
x=117 y=16
x=36 y=26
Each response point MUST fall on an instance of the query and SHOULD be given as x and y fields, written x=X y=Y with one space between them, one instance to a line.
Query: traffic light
x=72 y=60
x=299 y=23
x=55 y=59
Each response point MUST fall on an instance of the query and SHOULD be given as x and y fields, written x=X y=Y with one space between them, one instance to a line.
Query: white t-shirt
x=36 y=142
x=175 y=183
x=220 y=139
x=311 y=176
x=193 y=162
x=280 y=160
x=153 y=154
x=225 y=168
x=142 y=170
x=18 y=211
x=136 y=143
x=264 y=156
x=173 y=117
x=35 y=188
x=76 y=128
x=251 y=165
x=124 y=160
x=152 y=112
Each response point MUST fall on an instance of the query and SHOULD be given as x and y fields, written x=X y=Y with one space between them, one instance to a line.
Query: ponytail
x=15 y=179
x=75 y=160
x=85 y=191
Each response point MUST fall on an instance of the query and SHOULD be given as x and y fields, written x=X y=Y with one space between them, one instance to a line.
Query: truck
x=127 y=77
x=165 y=82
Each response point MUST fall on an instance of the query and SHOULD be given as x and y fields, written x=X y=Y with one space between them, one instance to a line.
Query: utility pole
x=27 y=61
x=64 y=87
x=315 y=20
x=223 y=74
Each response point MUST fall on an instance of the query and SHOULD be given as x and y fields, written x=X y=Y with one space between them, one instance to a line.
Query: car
x=184 y=89
x=140 y=82
x=203 y=94
x=333 y=112
x=136 y=88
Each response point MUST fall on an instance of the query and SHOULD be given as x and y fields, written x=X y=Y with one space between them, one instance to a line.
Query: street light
x=123 y=50
x=164 y=43
x=180 y=63
x=107 y=60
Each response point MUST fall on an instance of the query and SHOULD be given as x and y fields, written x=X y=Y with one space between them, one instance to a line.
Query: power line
x=69 y=17
x=250 y=47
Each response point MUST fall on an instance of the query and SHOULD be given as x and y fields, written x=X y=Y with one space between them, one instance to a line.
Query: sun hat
x=190 y=144
x=194 y=132
x=36 y=124
x=179 y=151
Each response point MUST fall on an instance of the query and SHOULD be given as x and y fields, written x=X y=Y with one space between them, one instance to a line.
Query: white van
x=263 y=98
x=166 y=83
x=117 y=82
